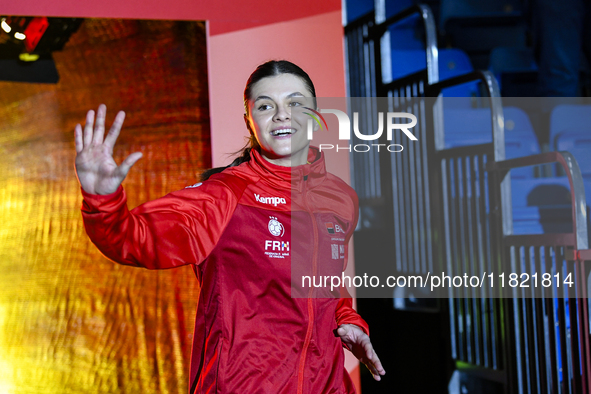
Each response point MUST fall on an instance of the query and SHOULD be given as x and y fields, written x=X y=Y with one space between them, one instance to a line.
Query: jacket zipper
x=310 y=300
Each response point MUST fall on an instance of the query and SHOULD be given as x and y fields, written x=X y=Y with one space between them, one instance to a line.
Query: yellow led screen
x=71 y=321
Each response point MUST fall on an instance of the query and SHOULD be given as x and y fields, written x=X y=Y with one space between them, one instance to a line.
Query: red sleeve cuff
x=100 y=203
x=359 y=322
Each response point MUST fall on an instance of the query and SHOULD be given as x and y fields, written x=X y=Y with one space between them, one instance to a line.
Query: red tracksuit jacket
x=242 y=230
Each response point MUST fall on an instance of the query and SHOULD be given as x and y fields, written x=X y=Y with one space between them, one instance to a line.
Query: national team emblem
x=275 y=227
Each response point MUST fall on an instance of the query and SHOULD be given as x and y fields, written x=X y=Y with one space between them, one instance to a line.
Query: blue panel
x=579 y=144
x=453 y=62
x=537 y=192
x=520 y=139
x=393 y=7
x=358 y=8
x=515 y=69
x=473 y=126
x=472 y=9
x=407 y=61
x=541 y=205
x=481 y=25
x=512 y=59
x=569 y=118
x=406 y=36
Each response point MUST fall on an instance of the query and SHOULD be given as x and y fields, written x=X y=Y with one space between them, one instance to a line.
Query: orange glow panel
x=70 y=320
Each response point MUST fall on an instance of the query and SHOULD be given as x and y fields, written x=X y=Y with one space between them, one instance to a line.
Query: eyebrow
x=288 y=96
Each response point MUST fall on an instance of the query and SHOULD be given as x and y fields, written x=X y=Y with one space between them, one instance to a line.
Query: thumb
x=124 y=168
x=343 y=330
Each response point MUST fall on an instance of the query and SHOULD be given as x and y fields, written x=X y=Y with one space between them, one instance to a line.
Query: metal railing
x=363 y=43
x=551 y=341
x=451 y=209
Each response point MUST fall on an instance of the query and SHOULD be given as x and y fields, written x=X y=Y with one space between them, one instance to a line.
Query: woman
x=235 y=228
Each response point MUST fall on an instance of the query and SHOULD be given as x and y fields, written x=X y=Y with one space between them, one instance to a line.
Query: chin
x=281 y=151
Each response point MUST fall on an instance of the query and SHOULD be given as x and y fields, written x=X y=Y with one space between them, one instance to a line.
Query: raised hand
x=96 y=169
x=360 y=345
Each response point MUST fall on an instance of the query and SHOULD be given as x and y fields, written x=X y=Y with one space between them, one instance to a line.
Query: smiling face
x=277 y=119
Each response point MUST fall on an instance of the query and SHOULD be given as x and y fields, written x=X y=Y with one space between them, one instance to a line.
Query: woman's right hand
x=96 y=169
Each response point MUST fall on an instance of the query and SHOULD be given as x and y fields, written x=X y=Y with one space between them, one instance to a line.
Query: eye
x=295 y=104
x=263 y=107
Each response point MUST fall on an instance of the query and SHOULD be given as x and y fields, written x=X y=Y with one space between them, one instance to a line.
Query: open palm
x=95 y=167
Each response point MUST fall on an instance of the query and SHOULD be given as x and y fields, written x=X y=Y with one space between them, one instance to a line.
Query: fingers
x=124 y=168
x=373 y=363
x=88 y=126
x=377 y=364
x=78 y=138
x=373 y=371
x=115 y=130
x=94 y=132
x=99 y=128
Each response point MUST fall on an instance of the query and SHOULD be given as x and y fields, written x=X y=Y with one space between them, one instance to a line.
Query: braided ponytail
x=244 y=157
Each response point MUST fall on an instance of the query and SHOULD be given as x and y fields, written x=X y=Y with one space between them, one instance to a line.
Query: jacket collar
x=296 y=178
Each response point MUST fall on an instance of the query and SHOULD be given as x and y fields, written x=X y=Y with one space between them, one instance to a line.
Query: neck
x=295 y=160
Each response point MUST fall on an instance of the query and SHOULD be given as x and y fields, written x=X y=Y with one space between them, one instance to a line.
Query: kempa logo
x=345 y=129
x=270 y=200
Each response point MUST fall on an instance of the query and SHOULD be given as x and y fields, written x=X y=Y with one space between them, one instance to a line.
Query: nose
x=282 y=114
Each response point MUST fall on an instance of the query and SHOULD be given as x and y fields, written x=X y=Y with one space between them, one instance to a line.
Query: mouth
x=282 y=132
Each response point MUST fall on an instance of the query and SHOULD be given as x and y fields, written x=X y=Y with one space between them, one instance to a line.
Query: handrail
x=483 y=75
x=378 y=30
x=492 y=89
x=494 y=242
x=575 y=179
x=498 y=129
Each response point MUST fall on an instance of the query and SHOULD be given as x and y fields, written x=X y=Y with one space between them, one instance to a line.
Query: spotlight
x=5 y=26
x=34 y=31
x=28 y=57
x=26 y=45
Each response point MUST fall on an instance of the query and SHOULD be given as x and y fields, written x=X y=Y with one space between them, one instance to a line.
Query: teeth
x=282 y=132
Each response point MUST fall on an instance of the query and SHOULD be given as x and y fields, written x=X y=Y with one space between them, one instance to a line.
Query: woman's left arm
x=352 y=329
x=345 y=314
